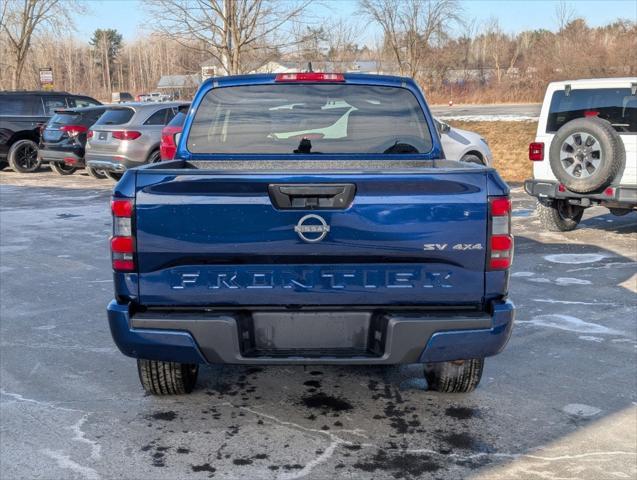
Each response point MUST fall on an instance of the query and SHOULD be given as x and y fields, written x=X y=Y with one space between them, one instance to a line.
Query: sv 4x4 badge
x=458 y=246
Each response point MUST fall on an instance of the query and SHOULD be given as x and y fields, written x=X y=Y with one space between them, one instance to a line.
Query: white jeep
x=585 y=150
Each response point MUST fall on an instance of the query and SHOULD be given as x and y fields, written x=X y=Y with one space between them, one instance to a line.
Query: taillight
x=122 y=241
x=500 y=238
x=168 y=144
x=89 y=134
x=126 y=134
x=536 y=151
x=310 y=77
x=73 y=130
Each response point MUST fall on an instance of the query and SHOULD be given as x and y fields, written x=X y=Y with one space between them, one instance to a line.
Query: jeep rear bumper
x=329 y=337
x=620 y=196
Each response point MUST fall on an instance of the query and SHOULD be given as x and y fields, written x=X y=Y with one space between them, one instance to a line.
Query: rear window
x=117 y=116
x=87 y=118
x=20 y=105
x=616 y=105
x=309 y=119
x=178 y=120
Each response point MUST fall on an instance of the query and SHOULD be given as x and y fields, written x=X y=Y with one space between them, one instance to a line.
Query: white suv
x=585 y=150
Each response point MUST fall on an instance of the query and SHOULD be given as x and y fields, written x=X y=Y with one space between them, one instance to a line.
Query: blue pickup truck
x=310 y=218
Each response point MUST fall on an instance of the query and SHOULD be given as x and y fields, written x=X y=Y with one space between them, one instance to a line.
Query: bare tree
x=411 y=27
x=564 y=14
x=226 y=30
x=20 y=20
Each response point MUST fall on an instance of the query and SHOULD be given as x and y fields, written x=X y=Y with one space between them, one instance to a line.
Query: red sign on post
x=46 y=77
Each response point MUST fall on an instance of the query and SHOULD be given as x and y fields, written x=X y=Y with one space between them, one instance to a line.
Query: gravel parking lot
x=559 y=402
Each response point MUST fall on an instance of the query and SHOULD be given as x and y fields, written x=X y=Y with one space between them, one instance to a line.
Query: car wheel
x=23 y=156
x=154 y=157
x=95 y=173
x=113 y=175
x=62 y=168
x=460 y=376
x=620 y=212
x=559 y=216
x=587 y=154
x=167 y=378
x=471 y=158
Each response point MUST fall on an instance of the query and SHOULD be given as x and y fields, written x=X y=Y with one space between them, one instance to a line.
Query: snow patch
x=569 y=323
x=580 y=410
x=575 y=258
x=522 y=274
x=571 y=281
x=590 y=338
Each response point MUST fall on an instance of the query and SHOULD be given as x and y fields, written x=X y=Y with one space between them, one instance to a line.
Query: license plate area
x=312 y=334
x=102 y=135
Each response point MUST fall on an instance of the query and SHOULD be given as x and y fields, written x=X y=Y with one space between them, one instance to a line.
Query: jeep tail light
x=73 y=130
x=126 y=134
x=122 y=241
x=310 y=77
x=536 y=151
x=500 y=251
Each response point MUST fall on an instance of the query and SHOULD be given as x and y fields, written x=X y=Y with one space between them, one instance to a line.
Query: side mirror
x=444 y=127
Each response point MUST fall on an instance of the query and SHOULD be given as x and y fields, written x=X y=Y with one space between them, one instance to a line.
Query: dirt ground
x=509 y=142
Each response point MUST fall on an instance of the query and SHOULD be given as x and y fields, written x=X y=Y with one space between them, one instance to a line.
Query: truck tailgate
x=209 y=239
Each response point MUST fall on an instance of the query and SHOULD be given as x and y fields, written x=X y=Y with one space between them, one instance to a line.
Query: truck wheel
x=460 y=376
x=113 y=175
x=167 y=378
x=23 y=156
x=559 y=216
x=62 y=169
x=95 y=173
x=587 y=154
x=471 y=158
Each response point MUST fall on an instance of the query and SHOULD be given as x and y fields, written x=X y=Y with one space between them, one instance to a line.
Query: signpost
x=46 y=78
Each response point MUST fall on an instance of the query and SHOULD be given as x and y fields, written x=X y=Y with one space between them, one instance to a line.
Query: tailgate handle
x=308 y=196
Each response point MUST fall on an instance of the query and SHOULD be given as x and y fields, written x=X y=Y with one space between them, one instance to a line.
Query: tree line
x=452 y=57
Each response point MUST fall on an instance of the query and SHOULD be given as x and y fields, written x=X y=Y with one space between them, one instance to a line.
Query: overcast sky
x=130 y=17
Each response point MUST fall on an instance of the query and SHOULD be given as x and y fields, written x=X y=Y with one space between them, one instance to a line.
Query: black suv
x=22 y=115
x=64 y=139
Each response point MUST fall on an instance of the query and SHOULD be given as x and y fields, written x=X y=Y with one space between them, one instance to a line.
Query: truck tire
x=95 y=173
x=23 y=156
x=167 y=378
x=587 y=154
x=113 y=175
x=559 y=216
x=62 y=169
x=460 y=376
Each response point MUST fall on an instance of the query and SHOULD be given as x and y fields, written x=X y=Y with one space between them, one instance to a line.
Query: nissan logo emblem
x=308 y=224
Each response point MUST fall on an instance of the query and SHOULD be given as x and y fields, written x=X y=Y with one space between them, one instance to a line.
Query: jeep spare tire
x=587 y=154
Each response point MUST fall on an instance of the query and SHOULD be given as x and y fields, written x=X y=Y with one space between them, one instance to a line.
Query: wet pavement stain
x=166 y=416
x=461 y=413
x=206 y=467
x=400 y=465
x=326 y=402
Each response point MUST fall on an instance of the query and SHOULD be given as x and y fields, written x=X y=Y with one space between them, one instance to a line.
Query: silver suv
x=127 y=136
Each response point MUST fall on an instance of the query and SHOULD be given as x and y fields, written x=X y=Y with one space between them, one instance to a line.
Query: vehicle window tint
x=616 y=105
x=20 y=105
x=90 y=117
x=116 y=116
x=65 y=119
x=53 y=103
x=80 y=102
x=178 y=120
x=309 y=118
x=158 y=118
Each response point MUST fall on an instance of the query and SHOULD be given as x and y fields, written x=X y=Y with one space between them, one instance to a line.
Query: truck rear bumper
x=615 y=196
x=344 y=337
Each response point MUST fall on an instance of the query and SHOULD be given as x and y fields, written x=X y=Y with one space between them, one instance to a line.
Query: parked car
x=585 y=151
x=285 y=232
x=155 y=97
x=127 y=136
x=63 y=140
x=121 y=97
x=170 y=134
x=22 y=115
x=463 y=145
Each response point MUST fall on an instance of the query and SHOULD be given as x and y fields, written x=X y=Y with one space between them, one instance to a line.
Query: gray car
x=127 y=136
